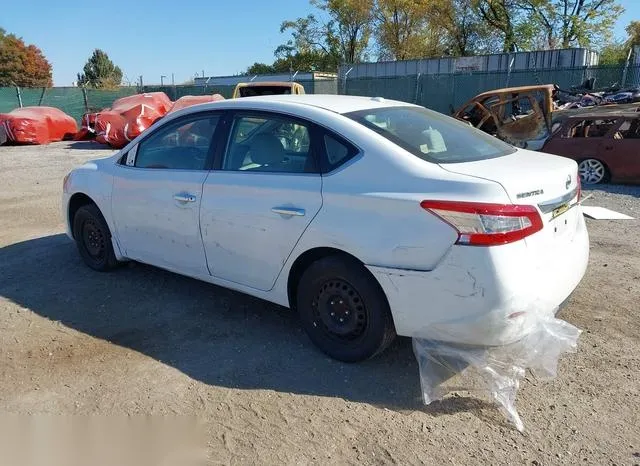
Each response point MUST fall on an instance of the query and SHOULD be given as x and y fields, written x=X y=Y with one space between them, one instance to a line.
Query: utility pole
x=162 y=80
x=173 y=79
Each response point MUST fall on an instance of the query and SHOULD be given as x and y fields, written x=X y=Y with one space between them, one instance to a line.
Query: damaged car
x=527 y=116
x=606 y=145
x=521 y=116
x=369 y=217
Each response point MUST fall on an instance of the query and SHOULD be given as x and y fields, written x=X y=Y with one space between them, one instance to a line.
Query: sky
x=155 y=38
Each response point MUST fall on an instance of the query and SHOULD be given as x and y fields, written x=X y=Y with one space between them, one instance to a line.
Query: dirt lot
x=145 y=341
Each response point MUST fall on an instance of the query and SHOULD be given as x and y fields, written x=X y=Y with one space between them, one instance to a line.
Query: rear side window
x=590 y=128
x=430 y=135
x=338 y=152
x=630 y=129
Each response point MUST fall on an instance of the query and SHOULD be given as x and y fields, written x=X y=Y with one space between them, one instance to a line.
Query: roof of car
x=268 y=83
x=331 y=102
x=513 y=90
x=605 y=114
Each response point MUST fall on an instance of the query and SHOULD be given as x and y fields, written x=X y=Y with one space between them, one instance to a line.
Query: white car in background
x=370 y=217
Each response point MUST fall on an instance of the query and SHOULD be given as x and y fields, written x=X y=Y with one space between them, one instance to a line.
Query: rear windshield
x=251 y=91
x=430 y=135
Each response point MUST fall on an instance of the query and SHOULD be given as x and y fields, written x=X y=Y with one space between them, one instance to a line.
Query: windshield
x=430 y=135
x=251 y=91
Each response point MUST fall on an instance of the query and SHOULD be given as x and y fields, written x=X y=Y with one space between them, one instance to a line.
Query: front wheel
x=343 y=309
x=592 y=171
x=93 y=239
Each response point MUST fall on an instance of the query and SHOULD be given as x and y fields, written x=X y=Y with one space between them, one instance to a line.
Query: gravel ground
x=145 y=341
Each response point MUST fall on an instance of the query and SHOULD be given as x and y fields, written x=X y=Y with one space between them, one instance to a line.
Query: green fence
x=73 y=101
x=441 y=92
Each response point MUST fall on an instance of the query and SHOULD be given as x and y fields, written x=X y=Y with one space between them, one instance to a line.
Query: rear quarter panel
x=371 y=206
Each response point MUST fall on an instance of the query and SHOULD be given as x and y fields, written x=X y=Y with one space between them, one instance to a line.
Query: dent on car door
x=157 y=194
x=261 y=197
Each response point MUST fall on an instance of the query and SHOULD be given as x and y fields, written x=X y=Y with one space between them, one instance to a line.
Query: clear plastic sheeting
x=501 y=368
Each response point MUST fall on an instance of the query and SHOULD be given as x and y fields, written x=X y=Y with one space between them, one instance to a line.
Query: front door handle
x=291 y=211
x=184 y=197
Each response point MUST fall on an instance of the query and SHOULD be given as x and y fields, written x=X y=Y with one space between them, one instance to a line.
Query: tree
x=99 y=72
x=615 y=53
x=22 y=65
x=569 y=23
x=633 y=29
x=350 y=26
x=503 y=17
x=260 y=68
x=465 y=31
x=404 y=30
x=344 y=38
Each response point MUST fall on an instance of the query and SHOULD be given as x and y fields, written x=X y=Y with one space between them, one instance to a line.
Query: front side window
x=269 y=144
x=178 y=146
x=430 y=135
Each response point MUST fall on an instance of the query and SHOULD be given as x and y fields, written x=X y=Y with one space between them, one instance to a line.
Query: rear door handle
x=182 y=197
x=291 y=211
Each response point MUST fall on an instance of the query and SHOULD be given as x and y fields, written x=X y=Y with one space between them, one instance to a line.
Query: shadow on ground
x=212 y=334
x=89 y=145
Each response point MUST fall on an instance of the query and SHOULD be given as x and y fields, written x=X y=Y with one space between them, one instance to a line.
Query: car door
x=621 y=151
x=579 y=138
x=157 y=194
x=263 y=194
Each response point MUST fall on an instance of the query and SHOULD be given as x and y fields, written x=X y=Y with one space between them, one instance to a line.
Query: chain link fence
x=444 y=92
x=441 y=92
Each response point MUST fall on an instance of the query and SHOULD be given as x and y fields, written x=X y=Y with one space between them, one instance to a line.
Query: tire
x=93 y=239
x=343 y=309
x=592 y=171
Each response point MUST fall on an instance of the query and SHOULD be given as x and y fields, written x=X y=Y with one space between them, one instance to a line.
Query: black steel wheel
x=343 y=309
x=339 y=310
x=93 y=238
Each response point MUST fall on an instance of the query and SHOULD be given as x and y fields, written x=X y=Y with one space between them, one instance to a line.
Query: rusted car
x=525 y=116
x=521 y=116
x=605 y=145
x=266 y=88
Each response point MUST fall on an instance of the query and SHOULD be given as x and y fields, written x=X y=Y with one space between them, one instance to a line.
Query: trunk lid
x=529 y=178
x=546 y=181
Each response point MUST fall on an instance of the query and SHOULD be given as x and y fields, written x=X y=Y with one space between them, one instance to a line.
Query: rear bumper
x=486 y=296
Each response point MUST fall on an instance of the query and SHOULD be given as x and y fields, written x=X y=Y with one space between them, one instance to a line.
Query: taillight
x=481 y=224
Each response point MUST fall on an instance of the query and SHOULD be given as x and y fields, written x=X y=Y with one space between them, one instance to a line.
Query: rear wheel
x=592 y=171
x=93 y=238
x=343 y=309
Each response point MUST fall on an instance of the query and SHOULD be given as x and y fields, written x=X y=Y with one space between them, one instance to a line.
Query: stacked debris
x=129 y=116
x=126 y=119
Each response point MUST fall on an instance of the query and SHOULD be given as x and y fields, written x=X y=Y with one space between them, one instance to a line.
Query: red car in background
x=605 y=145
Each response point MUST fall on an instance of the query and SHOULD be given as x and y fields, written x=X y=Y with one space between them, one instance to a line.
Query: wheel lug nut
x=333 y=314
x=341 y=319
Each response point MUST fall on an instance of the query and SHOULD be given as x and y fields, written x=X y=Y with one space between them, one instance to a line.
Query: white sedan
x=370 y=217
